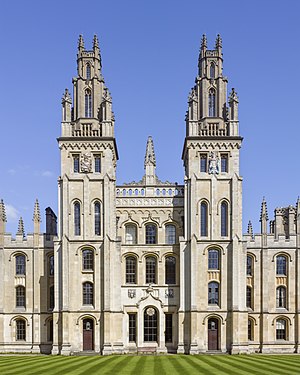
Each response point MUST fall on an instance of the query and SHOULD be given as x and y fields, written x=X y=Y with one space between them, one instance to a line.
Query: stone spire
x=80 y=43
x=264 y=216
x=150 y=163
x=203 y=42
x=21 y=230
x=66 y=102
x=2 y=222
x=250 y=229
x=36 y=213
x=2 y=212
x=95 y=42
x=218 y=43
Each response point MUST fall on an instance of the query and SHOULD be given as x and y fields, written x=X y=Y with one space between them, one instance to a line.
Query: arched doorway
x=213 y=334
x=150 y=325
x=88 y=334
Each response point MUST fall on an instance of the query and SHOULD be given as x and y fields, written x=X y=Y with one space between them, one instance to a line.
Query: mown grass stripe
x=18 y=368
x=118 y=366
x=139 y=365
x=159 y=365
x=270 y=364
x=246 y=367
x=202 y=366
x=36 y=368
x=69 y=365
x=223 y=367
x=177 y=366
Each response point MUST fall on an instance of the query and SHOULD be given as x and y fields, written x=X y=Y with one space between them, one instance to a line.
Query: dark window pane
x=224 y=163
x=169 y=328
x=249 y=297
x=20 y=329
x=281 y=297
x=249 y=265
x=281 y=265
x=131 y=270
x=97 y=164
x=132 y=327
x=51 y=265
x=213 y=259
x=51 y=297
x=150 y=270
x=224 y=219
x=97 y=219
x=170 y=234
x=20 y=265
x=203 y=163
x=20 y=296
x=77 y=218
x=150 y=234
x=213 y=293
x=150 y=325
x=203 y=219
x=88 y=294
x=88 y=260
x=170 y=270
x=76 y=163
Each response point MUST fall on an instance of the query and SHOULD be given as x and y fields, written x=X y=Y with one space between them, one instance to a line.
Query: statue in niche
x=213 y=163
x=86 y=163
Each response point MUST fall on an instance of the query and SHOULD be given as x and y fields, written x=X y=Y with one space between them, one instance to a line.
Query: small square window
x=76 y=163
x=224 y=163
x=203 y=162
x=97 y=164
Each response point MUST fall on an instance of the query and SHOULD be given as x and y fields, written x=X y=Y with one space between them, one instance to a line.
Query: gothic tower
x=87 y=251
x=213 y=259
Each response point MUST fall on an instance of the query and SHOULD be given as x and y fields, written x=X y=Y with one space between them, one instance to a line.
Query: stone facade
x=150 y=265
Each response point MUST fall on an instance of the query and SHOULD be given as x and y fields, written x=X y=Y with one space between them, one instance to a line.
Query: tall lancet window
x=88 y=103
x=212 y=103
x=77 y=219
x=212 y=70
x=224 y=219
x=97 y=219
x=203 y=219
x=88 y=71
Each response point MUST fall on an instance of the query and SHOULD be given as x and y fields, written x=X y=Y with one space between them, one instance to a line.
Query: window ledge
x=87 y=271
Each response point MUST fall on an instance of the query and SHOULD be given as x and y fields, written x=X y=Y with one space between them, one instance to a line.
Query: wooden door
x=88 y=334
x=213 y=334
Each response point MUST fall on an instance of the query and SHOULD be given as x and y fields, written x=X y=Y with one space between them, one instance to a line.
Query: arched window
x=212 y=103
x=20 y=265
x=281 y=331
x=170 y=234
x=87 y=294
x=88 y=103
x=250 y=329
x=97 y=210
x=51 y=297
x=249 y=265
x=130 y=234
x=212 y=70
x=88 y=260
x=77 y=219
x=213 y=293
x=213 y=259
x=131 y=270
x=170 y=270
x=88 y=71
x=20 y=296
x=281 y=297
x=249 y=297
x=203 y=219
x=51 y=265
x=20 y=330
x=150 y=325
x=150 y=234
x=281 y=265
x=150 y=270
x=224 y=219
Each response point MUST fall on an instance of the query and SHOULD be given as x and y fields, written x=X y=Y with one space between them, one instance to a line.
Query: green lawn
x=146 y=365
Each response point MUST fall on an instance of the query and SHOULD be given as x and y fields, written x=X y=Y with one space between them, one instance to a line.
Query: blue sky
x=149 y=56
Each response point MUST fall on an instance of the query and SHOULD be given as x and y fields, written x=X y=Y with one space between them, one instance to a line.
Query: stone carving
x=169 y=293
x=86 y=163
x=213 y=163
x=131 y=293
x=150 y=311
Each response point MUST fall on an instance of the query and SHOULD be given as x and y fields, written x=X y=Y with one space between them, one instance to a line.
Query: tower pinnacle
x=21 y=230
x=80 y=43
x=150 y=162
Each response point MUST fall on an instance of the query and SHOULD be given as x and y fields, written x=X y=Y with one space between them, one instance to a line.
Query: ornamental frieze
x=155 y=202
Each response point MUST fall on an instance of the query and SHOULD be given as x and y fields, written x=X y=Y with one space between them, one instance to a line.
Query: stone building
x=150 y=265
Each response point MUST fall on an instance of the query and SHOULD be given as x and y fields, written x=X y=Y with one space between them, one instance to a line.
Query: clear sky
x=149 y=57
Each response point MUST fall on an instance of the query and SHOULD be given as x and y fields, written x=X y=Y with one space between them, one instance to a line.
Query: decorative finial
x=66 y=96
x=36 y=213
x=218 y=42
x=80 y=42
x=150 y=155
x=21 y=227
x=2 y=211
x=203 y=42
x=250 y=229
x=233 y=96
x=95 y=42
x=264 y=211
x=192 y=95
